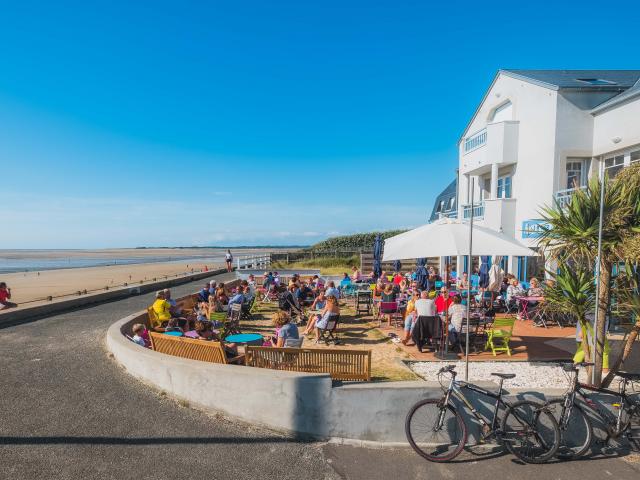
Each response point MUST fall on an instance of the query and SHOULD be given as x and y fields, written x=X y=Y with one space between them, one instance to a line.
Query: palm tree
x=572 y=293
x=570 y=234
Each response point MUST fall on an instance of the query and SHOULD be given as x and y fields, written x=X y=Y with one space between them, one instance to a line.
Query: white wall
x=622 y=121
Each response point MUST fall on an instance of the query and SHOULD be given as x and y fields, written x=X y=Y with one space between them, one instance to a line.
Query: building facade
x=536 y=137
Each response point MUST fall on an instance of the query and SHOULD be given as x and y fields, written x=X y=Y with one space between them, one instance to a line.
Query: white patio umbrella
x=448 y=237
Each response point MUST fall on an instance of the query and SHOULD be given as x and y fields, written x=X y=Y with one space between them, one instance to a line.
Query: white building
x=539 y=134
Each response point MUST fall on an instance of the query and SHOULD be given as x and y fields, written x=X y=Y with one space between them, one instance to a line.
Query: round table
x=174 y=333
x=246 y=338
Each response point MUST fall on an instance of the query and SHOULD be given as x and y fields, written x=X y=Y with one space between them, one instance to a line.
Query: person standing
x=229 y=259
x=5 y=295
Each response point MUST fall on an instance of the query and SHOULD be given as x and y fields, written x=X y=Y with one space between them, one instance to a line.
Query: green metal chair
x=499 y=335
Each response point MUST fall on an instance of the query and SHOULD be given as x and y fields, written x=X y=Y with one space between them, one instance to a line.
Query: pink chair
x=389 y=308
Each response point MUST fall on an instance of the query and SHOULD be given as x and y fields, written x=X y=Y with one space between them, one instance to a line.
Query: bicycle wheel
x=435 y=431
x=576 y=434
x=530 y=432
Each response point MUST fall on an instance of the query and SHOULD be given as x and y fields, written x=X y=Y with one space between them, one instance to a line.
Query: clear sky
x=280 y=122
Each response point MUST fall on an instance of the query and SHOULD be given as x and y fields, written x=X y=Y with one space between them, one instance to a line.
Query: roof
x=446 y=195
x=603 y=79
x=624 y=96
x=568 y=80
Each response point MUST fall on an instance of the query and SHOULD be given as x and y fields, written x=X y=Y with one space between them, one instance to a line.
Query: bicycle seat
x=629 y=375
x=504 y=376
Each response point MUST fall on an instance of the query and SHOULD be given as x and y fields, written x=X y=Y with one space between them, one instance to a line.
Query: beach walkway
x=69 y=412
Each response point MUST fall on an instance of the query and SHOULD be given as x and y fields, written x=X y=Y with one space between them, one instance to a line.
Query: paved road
x=69 y=412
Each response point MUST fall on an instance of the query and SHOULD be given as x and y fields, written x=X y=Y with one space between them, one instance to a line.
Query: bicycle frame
x=624 y=402
x=455 y=390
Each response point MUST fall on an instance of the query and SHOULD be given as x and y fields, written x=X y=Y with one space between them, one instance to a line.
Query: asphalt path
x=68 y=411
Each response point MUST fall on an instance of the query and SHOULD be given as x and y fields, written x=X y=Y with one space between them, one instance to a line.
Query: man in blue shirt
x=203 y=296
x=238 y=297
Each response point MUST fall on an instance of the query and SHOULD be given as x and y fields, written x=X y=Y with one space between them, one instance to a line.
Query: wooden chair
x=499 y=335
x=232 y=324
x=389 y=308
x=193 y=349
x=340 y=364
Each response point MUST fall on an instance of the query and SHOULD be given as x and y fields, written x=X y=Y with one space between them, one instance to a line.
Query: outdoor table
x=524 y=305
x=245 y=339
x=174 y=333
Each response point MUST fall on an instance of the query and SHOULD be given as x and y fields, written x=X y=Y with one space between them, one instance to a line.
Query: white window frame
x=583 y=167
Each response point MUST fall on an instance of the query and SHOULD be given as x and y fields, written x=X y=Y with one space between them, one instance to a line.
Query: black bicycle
x=436 y=430
x=576 y=428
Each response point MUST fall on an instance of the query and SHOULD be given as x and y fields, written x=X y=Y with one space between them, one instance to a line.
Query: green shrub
x=356 y=241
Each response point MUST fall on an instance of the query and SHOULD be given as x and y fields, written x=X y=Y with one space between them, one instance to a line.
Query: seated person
x=286 y=329
x=321 y=321
x=389 y=295
x=514 y=290
x=203 y=295
x=302 y=295
x=410 y=316
x=443 y=301
x=162 y=310
x=319 y=302
x=139 y=334
x=251 y=281
x=238 y=297
x=457 y=313
x=221 y=295
x=346 y=280
x=5 y=295
x=355 y=275
x=463 y=282
x=176 y=311
x=535 y=290
x=172 y=326
x=288 y=302
x=331 y=290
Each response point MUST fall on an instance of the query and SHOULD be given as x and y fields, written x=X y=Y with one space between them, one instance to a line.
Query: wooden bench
x=340 y=364
x=190 y=348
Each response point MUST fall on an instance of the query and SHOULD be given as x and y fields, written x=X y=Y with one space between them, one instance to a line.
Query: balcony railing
x=475 y=141
x=478 y=211
x=563 y=197
x=448 y=214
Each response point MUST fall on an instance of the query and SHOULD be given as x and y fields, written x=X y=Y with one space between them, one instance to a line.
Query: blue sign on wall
x=532 y=228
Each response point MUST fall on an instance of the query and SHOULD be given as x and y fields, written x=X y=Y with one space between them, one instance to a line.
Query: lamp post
x=466 y=348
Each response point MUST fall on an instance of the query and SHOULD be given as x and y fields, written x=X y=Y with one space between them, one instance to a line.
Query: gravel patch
x=528 y=374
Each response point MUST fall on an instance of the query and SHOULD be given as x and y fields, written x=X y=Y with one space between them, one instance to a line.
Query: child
x=139 y=332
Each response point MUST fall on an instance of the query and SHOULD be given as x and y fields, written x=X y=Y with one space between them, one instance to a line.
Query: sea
x=38 y=260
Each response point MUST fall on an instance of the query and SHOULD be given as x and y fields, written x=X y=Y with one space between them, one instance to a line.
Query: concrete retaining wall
x=300 y=403
x=9 y=317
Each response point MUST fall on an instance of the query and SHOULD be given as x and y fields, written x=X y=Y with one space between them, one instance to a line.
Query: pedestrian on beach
x=5 y=295
x=229 y=260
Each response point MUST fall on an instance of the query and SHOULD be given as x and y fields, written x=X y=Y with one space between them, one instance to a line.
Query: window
x=574 y=174
x=635 y=156
x=504 y=187
x=613 y=165
x=502 y=113
x=596 y=81
x=452 y=201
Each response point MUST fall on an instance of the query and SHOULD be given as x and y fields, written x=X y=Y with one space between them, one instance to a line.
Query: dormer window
x=596 y=81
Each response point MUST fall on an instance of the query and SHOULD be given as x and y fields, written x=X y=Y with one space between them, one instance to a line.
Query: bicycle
x=576 y=428
x=436 y=430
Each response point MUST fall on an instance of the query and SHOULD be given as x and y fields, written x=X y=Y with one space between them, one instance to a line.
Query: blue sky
x=281 y=122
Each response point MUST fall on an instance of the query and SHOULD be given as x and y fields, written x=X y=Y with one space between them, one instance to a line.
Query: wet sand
x=30 y=286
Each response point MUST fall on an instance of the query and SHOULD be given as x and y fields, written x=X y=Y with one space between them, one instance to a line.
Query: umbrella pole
x=466 y=349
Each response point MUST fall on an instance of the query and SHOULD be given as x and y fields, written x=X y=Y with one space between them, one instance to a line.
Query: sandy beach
x=34 y=285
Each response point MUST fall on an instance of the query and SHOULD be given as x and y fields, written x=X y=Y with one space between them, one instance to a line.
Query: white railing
x=254 y=262
x=478 y=211
x=475 y=141
x=563 y=197
x=449 y=214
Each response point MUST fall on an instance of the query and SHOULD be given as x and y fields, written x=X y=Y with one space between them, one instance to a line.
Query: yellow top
x=411 y=306
x=161 y=307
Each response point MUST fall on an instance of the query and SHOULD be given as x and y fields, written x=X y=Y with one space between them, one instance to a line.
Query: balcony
x=448 y=214
x=498 y=143
x=478 y=211
x=563 y=197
